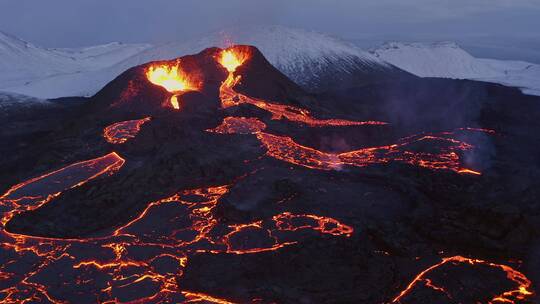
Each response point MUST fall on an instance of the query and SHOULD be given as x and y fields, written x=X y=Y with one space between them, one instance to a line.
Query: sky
x=72 y=23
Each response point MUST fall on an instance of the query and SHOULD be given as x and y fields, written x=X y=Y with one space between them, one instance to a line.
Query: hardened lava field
x=212 y=178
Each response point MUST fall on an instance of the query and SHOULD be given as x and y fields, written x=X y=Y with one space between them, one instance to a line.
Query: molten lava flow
x=173 y=79
x=407 y=150
x=287 y=221
x=285 y=149
x=231 y=60
x=197 y=297
x=239 y=125
x=229 y=97
x=521 y=291
x=120 y=132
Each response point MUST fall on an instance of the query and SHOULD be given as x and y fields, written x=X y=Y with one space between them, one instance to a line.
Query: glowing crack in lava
x=123 y=264
x=178 y=221
x=520 y=291
x=230 y=59
x=173 y=79
x=121 y=132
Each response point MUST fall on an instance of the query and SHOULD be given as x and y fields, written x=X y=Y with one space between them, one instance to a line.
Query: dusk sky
x=68 y=23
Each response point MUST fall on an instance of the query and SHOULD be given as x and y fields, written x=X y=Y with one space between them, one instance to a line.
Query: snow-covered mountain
x=308 y=58
x=311 y=59
x=448 y=60
x=23 y=64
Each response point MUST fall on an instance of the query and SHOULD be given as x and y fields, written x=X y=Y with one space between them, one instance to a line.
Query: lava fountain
x=173 y=79
x=231 y=59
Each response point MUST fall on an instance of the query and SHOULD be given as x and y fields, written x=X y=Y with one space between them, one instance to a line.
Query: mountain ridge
x=313 y=60
x=448 y=60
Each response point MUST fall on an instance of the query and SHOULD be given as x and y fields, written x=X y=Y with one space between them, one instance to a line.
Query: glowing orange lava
x=121 y=132
x=173 y=79
x=284 y=148
x=229 y=97
x=197 y=297
x=287 y=221
x=232 y=58
x=239 y=125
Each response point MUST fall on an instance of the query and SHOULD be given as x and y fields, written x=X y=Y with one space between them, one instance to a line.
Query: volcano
x=214 y=178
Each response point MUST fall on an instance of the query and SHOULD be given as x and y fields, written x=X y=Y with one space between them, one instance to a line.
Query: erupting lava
x=232 y=58
x=120 y=132
x=170 y=77
x=521 y=290
x=173 y=79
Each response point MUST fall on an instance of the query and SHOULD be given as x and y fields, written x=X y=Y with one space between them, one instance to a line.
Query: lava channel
x=406 y=151
x=53 y=183
x=121 y=132
x=231 y=59
x=286 y=149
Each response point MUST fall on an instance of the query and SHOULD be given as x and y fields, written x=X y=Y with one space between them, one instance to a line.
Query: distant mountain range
x=448 y=60
x=315 y=61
